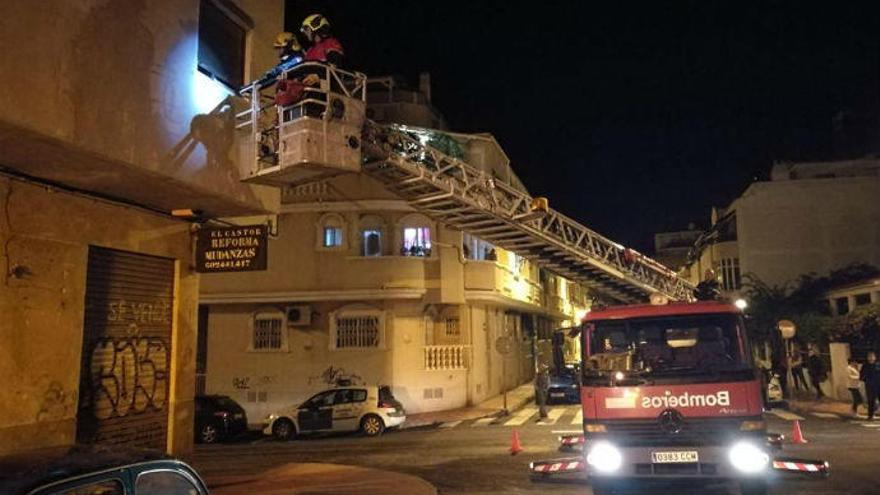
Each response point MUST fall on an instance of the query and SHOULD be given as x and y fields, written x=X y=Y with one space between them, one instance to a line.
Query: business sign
x=232 y=249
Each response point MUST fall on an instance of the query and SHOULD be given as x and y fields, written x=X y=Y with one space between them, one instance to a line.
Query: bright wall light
x=207 y=93
x=741 y=303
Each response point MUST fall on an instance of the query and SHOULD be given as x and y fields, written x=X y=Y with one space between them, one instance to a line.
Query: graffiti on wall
x=129 y=375
x=241 y=382
x=336 y=376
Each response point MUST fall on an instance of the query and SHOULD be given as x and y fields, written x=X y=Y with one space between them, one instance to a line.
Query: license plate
x=557 y=395
x=672 y=457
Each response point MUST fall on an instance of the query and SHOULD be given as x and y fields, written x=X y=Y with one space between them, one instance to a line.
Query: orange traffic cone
x=796 y=435
x=515 y=447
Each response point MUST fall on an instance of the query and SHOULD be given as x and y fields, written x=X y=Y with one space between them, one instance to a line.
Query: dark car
x=97 y=470
x=564 y=386
x=218 y=417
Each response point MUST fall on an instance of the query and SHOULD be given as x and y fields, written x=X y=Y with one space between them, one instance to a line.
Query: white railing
x=446 y=357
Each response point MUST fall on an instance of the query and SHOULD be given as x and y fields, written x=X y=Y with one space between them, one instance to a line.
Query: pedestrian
x=852 y=383
x=542 y=387
x=870 y=374
x=797 y=371
x=817 y=371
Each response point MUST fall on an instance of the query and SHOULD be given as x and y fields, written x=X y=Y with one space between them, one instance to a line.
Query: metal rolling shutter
x=126 y=351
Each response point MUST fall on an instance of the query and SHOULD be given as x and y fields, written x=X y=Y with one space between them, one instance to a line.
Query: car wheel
x=283 y=429
x=372 y=425
x=209 y=434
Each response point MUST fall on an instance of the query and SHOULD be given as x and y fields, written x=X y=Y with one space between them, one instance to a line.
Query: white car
x=368 y=409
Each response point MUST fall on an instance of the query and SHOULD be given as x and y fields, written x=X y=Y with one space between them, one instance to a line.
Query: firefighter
x=288 y=46
x=325 y=47
x=542 y=387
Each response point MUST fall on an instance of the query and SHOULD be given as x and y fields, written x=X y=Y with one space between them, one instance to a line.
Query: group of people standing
x=869 y=374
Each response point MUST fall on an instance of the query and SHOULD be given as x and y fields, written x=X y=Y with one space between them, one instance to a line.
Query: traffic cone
x=515 y=447
x=796 y=435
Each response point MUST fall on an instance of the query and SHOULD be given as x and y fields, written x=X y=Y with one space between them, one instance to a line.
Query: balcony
x=446 y=357
x=492 y=276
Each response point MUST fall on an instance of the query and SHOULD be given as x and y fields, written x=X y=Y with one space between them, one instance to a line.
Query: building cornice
x=360 y=205
x=311 y=296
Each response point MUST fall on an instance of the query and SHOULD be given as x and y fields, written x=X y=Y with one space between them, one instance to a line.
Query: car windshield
x=667 y=345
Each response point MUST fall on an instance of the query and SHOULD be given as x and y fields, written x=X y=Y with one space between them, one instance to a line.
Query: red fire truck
x=670 y=393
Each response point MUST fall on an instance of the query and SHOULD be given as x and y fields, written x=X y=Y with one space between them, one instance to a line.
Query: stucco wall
x=789 y=228
x=45 y=236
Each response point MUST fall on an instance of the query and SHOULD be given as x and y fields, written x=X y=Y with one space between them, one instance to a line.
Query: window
x=222 y=42
x=330 y=232
x=268 y=332
x=416 y=241
x=453 y=328
x=165 y=483
x=842 y=304
x=372 y=240
x=332 y=237
x=863 y=299
x=729 y=273
x=357 y=330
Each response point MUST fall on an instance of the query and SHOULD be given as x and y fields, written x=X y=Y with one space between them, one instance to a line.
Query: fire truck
x=670 y=393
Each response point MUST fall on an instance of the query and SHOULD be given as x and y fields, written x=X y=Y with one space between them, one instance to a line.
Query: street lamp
x=741 y=303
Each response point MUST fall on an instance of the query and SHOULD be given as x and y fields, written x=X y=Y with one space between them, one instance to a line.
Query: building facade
x=362 y=287
x=113 y=122
x=809 y=218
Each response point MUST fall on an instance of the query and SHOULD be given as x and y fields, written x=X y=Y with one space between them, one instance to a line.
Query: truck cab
x=670 y=393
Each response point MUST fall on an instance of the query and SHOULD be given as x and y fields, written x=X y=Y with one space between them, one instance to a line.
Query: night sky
x=634 y=117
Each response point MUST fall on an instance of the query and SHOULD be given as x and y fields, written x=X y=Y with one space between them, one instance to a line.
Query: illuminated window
x=222 y=35
x=417 y=241
x=332 y=237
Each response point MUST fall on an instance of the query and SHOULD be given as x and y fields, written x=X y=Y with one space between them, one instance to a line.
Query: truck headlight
x=605 y=457
x=748 y=458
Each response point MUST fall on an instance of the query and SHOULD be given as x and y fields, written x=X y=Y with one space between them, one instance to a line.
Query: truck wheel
x=283 y=429
x=372 y=425
x=753 y=487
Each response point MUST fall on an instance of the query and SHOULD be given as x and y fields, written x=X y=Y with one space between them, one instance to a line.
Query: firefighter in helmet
x=288 y=46
x=325 y=47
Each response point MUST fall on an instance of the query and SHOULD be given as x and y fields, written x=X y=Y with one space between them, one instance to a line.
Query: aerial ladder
x=325 y=133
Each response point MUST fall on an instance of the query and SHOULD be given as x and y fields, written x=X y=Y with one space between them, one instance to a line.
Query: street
x=472 y=457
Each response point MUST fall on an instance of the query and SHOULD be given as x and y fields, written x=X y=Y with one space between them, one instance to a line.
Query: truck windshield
x=668 y=345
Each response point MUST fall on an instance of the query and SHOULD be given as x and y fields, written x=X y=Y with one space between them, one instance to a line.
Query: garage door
x=126 y=352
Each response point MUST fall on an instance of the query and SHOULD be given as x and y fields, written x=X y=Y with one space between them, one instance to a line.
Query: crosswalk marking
x=578 y=418
x=482 y=422
x=450 y=424
x=521 y=417
x=867 y=425
x=825 y=415
x=790 y=416
x=552 y=416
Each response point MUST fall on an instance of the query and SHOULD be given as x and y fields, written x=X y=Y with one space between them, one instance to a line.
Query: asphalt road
x=472 y=457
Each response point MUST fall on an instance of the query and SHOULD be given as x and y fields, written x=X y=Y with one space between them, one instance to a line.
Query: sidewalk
x=516 y=398
x=312 y=479
x=831 y=406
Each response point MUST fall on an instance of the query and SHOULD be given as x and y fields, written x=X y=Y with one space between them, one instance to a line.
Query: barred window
x=730 y=274
x=453 y=328
x=357 y=332
x=267 y=333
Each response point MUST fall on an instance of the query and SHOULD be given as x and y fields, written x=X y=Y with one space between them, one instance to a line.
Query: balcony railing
x=446 y=357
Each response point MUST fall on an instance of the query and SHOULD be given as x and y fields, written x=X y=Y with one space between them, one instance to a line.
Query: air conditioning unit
x=299 y=316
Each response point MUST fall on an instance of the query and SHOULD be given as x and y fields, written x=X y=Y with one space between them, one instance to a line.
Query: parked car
x=97 y=470
x=218 y=417
x=564 y=386
x=367 y=409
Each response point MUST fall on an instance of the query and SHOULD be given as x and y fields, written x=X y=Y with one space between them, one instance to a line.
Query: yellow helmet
x=315 y=22
x=284 y=38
